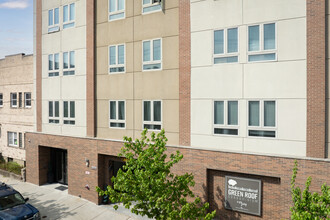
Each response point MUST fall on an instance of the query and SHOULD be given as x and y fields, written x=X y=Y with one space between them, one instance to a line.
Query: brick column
x=38 y=65
x=185 y=71
x=316 y=79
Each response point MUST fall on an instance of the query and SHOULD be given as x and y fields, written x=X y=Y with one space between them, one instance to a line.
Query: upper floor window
x=68 y=15
x=69 y=112
x=116 y=9
x=20 y=100
x=53 y=64
x=53 y=20
x=54 y=112
x=27 y=99
x=152 y=115
x=226 y=46
x=117 y=58
x=151 y=5
x=12 y=139
x=262 y=42
x=1 y=99
x=262 y=118
x=13 y=100
x=69 y=63
x=117 y=114
x=152 y=54
x=226 y=117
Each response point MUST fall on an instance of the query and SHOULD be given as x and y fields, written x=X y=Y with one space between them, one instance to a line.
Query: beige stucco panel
x=116 y=86
x=202 y=48
x=170 y=118
x=217 y=142
x=170 y=52
x=73 y=38
x=73 y=87
x=51 y=88
x=201 y=117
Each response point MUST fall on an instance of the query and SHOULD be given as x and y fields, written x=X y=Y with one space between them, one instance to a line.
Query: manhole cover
x=62 y=188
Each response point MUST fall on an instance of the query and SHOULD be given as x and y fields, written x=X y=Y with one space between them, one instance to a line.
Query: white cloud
x=15 y=4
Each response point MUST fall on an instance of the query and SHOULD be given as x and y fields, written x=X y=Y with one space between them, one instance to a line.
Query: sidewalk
x=57 y=204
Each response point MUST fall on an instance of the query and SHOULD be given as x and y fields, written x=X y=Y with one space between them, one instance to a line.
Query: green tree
x=147 y=186
x=307 y=205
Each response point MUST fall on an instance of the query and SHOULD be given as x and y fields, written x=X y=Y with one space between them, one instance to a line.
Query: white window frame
x=12 y=100
x=54 y=118
x=69 y=71
x=54 y=72
x=11 y=140
x=152 y=55
x=261 y=50
x=225 y=53
x=261 y=126
x=117 y=59
x=54 y=27
x=225 y=125
x=148 y=5
x=26 y=99
x=116 y=12
x=70 y=119
x=117 y=111
x=69 y=22
x=152 y=122
x=1 y=100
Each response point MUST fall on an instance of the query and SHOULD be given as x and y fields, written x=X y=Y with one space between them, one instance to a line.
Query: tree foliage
x=147 y=186
x=307 y=205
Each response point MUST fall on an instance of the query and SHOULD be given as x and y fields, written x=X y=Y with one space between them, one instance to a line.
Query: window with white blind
x=69 y=15
x=152 y=115
x=225 y=117
x=69 y=63
x=53 y=20
x=69 y=112
x=117 y=58
x=117 y=114
x=149 y=6
x=53 y=64
x=116 y=9
x=225 y=46
x=152 y=54
x=54 y=112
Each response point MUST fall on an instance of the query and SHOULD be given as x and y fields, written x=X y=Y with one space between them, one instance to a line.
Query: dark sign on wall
x=243 y=195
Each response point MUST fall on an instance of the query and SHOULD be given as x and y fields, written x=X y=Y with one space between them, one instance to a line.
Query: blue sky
x=16 y=27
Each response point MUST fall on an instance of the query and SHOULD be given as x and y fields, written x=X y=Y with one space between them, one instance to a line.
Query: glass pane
x=50 y=17
x=113 y=110
x=225 y=131
x=219 y=113
x=146 y=1
x=152 y=8
x=72 y=109
x=116 y=16
x=112 y=55
x=269 y=113
x=233 y=59
x=72 y=12
x=57 y=61
x=254 y=113
x=152 y=66
x=254 y=38
x=121 y=4
x=112 y=5
x=66 y=109
x=57 y=16
x=232 y=40
x=50 y=109
x=57 y=109
x=121 y=54
x=146 y=111
x=256 y=133
x=121 y=110
x=262 y=57
x=269 y=36
x=157 y=111
x=65 y=13
x=72 y=59
x=232 y=113
x=50 y=62
x=65 y=60
x=146 y=51
x=156 y=50
x=218 y=42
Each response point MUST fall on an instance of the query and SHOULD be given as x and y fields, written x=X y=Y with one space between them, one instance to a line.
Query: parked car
x=14 y=207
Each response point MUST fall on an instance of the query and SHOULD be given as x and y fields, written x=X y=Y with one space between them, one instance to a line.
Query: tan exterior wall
x=136 y=85
x=16 y=76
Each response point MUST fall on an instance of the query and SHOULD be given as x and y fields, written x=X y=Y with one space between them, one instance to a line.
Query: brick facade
x=38 y=64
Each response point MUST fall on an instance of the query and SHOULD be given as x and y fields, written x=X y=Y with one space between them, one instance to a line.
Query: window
x=12 y=139
x=69 y=112
x=152 y=115
x=117 y=58
x=68 y=15
x=226 y=46
x=54 y=112
x=20 y=140
x=116 y=9
x=152 y=54
x=53 y=64
x=151 y=5
x=262 y=119
x=20 y=101
x=262 y=42
x=53 y=20
x=117 y=114
x=27 y=99
x=226 y=117
x=13 y=100
x=69 y=63
x=1 y=99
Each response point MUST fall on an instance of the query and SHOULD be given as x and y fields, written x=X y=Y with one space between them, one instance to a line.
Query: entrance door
x=60 y=165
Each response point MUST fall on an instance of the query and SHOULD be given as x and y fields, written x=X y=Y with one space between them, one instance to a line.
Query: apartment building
x=16 y=105
x=239 y=87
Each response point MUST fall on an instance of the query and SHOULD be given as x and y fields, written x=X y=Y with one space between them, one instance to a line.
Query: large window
x=69 y=63
x=152 y=54
x=117 y=58
x=12 y=139
x=13 y=100
x=69 y=112
x=226 y=117
x=151 y=6
x=54 y=112
x=117 y=114
x=116 y=9
x=53 y=64
x=152 y=115
x=226 y=46
x=68 y=16
x=1 y=99
x=53 y=20
x=262 y=118
x=262 y=42
x=27 y=99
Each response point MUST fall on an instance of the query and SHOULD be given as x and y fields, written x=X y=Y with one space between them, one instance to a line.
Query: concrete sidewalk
x=56 y=204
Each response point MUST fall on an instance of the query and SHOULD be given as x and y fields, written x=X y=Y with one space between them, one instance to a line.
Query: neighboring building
x=16 y=105
x=239 y=87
